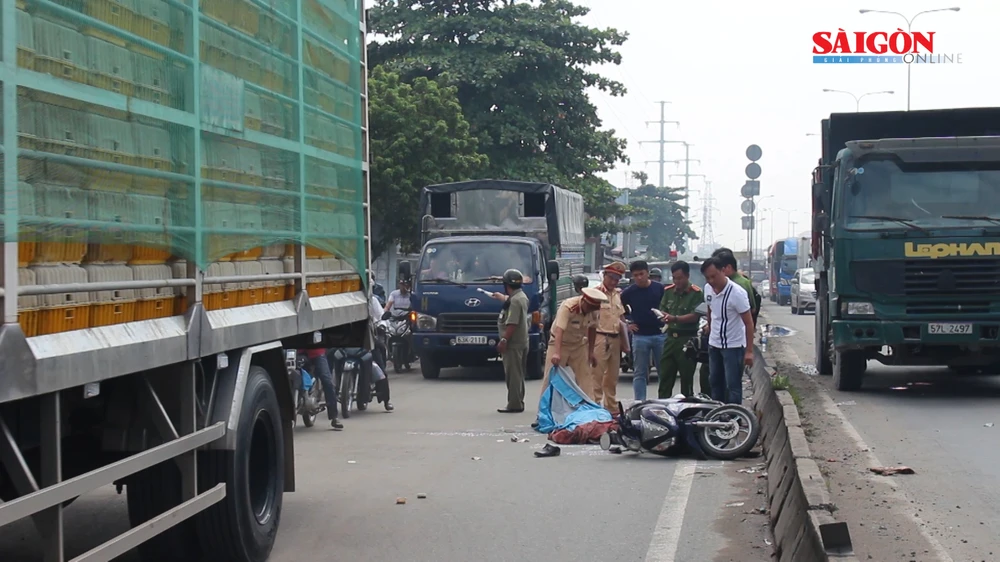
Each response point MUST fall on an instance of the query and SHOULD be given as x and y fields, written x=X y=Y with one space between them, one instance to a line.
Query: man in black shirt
x=642 y=296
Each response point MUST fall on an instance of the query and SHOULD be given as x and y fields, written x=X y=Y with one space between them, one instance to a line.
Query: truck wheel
x=822 y=333
x=428 y=368
x=849 y=370
x=244 y=525
x=150 y=493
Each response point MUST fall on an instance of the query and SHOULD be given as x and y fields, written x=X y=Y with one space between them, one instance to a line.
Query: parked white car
x=803 y=291
x=765 y=289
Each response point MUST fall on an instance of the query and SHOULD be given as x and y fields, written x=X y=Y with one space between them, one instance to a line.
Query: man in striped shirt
x=730 y=340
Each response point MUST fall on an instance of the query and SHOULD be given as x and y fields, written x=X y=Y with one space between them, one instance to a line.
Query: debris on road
x=513 y=439
x=499 y=440
x=735 y=504
x=421 y=496
x=847 y=403
x=477 y=458
x=892 y=470
x=987 y=425
x=525 y=440
x=615 y=450
x=400 y=501
x=352 y=462
x=752 y=469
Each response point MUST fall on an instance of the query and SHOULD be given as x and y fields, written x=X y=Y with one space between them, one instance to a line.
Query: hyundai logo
x=472 y=302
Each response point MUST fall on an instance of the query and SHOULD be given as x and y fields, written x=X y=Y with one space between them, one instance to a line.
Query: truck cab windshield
x=475 y=262
x=955 y=194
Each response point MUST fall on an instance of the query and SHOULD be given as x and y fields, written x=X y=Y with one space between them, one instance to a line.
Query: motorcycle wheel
x=308 y=419
x=347 y=382
x=748 y=427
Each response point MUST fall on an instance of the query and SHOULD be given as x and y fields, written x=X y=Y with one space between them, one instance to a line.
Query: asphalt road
x=937 y=423
x=488 y=498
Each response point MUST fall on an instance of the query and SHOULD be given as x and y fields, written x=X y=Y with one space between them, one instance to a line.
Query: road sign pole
x=750 y=190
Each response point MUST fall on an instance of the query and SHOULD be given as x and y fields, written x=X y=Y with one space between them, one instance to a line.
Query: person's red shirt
x=314 y=353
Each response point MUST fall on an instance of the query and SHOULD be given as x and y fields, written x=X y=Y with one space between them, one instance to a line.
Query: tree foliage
x=418 y=138
x=662 y=217
x=522 y=70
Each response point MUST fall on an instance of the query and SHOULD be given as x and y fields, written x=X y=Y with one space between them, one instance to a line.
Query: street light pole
x=909 y=29
x=857 y=99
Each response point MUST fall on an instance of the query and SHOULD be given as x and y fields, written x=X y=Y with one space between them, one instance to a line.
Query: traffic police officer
x=513 y=346
x=574 y=332
x=608 y=347
x=679 y=303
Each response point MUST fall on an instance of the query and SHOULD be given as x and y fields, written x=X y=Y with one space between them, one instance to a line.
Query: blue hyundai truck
x=472 y=232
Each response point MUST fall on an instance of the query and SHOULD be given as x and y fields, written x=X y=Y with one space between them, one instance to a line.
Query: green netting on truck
x=147 y=133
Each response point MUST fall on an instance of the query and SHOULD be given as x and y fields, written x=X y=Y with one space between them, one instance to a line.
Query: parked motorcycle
x=353 y=382
x=674 y=426
x=307 y=391
x=395 y=330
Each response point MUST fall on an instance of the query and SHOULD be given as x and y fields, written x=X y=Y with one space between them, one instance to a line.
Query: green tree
x=522 y=70
x=418 y=138
x=662 y=217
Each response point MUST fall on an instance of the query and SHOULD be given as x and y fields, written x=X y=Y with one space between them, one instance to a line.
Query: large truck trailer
x=185 y=196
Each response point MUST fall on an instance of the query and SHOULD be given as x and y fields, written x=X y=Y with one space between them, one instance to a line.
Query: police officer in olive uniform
x=679 y=303
x=513 y=347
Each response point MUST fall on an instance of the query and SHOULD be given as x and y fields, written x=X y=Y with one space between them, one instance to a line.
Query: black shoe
x=336 y=425
x=548 y=450
x=389 y=407
x=534 y=425
x=510 y=410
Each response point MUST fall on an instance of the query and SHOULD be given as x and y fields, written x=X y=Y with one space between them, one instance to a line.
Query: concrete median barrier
x=801 y=512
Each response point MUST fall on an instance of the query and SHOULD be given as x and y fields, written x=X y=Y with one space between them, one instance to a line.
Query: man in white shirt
x=400 y=298
x=730 y=341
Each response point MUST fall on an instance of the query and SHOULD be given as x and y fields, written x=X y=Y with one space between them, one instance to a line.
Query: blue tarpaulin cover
x=564 y=405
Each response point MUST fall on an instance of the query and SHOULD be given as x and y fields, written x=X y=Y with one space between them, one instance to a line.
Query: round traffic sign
x=753 y=170
x=753 y=153
x=747 y=206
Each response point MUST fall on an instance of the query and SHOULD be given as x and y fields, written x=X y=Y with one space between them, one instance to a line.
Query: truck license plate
x=949 y=328
x=470 y=340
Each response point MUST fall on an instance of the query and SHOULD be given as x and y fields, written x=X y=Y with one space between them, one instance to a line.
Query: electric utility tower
x=663 y=140
x=707 y=211
x=687 y=172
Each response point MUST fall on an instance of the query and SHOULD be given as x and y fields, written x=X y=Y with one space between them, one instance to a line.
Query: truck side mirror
x=553 y=267
x=405 y=269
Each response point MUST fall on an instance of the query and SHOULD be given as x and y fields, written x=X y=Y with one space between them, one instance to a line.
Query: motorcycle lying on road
x=395 y=330
x=307 y=391
x=678 y=425
x=354 y=384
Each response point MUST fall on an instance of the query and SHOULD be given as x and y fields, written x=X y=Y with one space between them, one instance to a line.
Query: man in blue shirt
x=642 y=296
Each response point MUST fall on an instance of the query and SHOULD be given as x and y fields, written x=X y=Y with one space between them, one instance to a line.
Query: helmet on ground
x=513 y=278
x=580 y=281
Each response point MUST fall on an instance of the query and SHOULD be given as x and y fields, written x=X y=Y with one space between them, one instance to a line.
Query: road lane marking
x=896 y=491
x=667 y=533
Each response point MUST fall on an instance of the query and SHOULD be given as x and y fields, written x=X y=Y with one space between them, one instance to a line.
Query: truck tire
x=150 y=493
x=429 y=368
x=821 y=332
x=243 y=526
x=849 y=370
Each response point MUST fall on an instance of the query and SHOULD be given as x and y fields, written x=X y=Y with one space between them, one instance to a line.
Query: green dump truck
x=906 y=241
x=184 y=196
